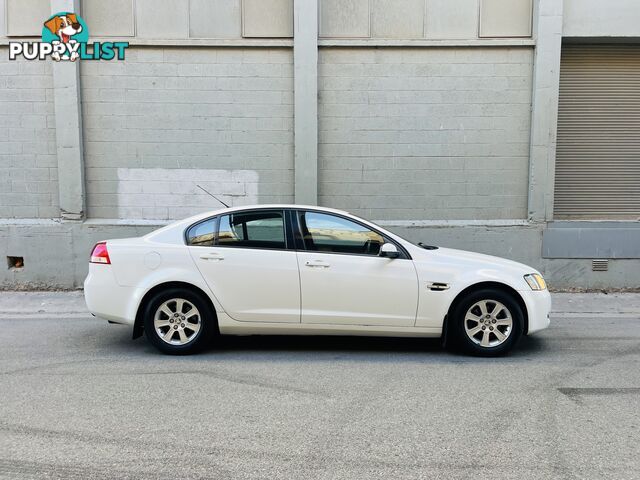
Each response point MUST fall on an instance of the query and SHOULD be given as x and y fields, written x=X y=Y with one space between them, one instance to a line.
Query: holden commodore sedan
x=297 y=270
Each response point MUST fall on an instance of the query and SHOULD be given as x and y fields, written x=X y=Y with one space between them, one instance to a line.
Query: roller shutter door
x=598 y=149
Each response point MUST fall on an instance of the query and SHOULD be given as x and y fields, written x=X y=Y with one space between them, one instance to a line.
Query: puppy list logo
x=65 y=37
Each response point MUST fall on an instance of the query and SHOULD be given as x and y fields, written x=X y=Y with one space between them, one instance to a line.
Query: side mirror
x=389 y=250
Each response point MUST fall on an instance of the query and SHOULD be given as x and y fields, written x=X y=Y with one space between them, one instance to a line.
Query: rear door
x=343 y=279
x=246 y=260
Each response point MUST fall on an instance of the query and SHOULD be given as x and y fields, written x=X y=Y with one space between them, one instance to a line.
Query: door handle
x=317 y=263
x=212 y=256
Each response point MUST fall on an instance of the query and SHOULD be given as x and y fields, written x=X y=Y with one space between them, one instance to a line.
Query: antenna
x=211 y=194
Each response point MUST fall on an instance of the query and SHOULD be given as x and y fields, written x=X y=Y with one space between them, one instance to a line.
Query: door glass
x=201 y=234
x=257 y=229
x=329 y=233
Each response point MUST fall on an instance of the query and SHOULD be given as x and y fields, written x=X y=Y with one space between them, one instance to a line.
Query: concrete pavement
x=81 y=400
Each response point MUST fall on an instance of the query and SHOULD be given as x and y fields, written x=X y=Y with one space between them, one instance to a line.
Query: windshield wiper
x=427 y=247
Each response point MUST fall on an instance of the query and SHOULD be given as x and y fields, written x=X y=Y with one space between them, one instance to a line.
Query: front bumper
x=538 y=305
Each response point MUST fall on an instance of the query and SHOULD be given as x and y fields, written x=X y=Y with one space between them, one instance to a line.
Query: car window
x=323 y=232
x=202 y=234
x=258 y=229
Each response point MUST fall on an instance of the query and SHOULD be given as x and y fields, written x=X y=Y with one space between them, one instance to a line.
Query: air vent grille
x=600 y=265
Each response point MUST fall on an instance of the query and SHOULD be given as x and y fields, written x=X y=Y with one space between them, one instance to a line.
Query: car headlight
x=535 y=281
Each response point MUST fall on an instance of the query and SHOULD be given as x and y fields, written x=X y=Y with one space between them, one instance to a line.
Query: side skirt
x=228 y=326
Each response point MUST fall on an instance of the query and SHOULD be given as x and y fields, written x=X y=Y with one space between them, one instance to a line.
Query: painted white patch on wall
x=171 y=193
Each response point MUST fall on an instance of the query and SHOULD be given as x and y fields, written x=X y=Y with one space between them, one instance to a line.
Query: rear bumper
x=106 y=299
x=538 y=309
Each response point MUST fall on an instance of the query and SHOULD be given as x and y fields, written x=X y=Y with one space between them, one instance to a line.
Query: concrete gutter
x=596 y=304
x=43 y=304
x=71 y=304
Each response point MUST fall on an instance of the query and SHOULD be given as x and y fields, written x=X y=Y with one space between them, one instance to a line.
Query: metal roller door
x=598 y=150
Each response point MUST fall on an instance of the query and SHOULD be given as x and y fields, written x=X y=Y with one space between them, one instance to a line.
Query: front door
x=344 y=281
x=244 y=259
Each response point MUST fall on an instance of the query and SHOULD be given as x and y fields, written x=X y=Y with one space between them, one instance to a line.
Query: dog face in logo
x=64 y=27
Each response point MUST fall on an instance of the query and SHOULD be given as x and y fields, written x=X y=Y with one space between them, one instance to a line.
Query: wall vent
x=599 y=265
x=15 y=263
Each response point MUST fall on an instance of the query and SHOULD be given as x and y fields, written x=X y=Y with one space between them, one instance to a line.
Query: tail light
x=99 y=254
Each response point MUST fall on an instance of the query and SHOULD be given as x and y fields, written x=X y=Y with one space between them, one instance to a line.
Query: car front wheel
x=487 y=323
x=178 y=322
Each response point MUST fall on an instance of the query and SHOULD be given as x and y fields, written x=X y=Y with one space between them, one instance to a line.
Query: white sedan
x=297 y=270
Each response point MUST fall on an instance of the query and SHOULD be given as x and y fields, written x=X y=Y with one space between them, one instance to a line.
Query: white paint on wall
x=3 y=22
x=172 y=193
x=267 y=18
x=397 y=18
x=162 y=19
x=447 y=19
x=25 y=17
x=344 y=19
x=595 y=18
x=505 y=18
x=101 y=15
x=215 y=19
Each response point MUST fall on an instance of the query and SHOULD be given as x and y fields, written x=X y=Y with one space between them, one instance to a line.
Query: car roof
x=262 y=207
x=268 y=206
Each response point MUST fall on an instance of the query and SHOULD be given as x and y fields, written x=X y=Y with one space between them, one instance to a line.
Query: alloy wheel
x=488 y=323
x=177 y=321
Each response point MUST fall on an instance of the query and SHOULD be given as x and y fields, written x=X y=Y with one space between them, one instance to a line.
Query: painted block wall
x=414 y=19
x=162 y=19
x=425 y=134
x=217 y=116
x=597 y=18
x=28 y=162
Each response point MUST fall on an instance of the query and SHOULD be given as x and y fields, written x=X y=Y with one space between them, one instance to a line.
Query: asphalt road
x=80 y=400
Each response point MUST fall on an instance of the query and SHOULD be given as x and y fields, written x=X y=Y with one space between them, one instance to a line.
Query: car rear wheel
x=178 y=322
x=487 y=323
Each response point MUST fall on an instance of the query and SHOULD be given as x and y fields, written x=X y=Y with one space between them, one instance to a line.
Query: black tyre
x=178 y=322
x=486 y=323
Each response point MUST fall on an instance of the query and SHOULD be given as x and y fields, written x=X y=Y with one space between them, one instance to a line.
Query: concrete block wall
x=28 y=162
x=425 y=134
x=418 y=19
x=180 y=112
